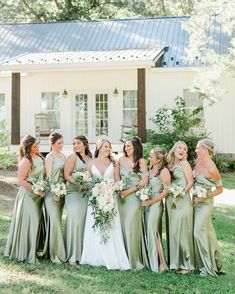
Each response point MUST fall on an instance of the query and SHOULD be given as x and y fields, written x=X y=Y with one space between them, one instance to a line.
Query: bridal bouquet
x=59 y=189
x=175 y=191
x=199 y=191
x=104 y=207
x=145 y=193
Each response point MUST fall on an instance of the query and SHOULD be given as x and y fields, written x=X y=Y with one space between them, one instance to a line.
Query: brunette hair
x=53 y=137
x=25 y=148
x=84 y=140
x=99 y=144
x=171 y=156
x=207 y=144
x=138 y=152
x=160 y=154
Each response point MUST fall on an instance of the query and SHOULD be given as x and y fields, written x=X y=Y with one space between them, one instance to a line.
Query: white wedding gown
x=111 y=254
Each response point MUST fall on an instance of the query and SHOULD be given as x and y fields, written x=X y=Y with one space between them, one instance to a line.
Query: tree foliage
x=63 y=10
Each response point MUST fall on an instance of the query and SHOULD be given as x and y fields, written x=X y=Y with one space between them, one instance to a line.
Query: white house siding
x=5 y=87
x=163 y=85
x=83 y=81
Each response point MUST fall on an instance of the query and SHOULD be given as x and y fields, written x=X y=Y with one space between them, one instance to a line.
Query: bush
x=174 y=124
x=224 y=163
x=4 y=139
x=8 y=160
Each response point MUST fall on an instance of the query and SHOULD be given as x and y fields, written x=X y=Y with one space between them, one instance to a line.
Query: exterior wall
x=90 y=82
x=5 y=87
x=163 y=85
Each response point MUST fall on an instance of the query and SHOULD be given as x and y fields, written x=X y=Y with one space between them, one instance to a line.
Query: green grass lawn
x=46 y=277
x=228 y=180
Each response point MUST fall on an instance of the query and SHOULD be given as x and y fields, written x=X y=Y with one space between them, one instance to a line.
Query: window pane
x=81 y=109
x=50 y=103
x=130 y=107
x=2 y=112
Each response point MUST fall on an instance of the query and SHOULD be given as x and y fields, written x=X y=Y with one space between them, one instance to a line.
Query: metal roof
x=105 y=35
x=123 y=57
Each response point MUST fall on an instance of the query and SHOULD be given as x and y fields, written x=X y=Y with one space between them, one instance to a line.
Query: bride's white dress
x=111 y=254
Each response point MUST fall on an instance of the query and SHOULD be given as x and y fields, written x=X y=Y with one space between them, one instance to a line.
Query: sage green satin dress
x=76 y=207
x=207 y=252
x=153 y=227
x=180 y=227
x=26 y=223
x=54 y=248
x=131 y=215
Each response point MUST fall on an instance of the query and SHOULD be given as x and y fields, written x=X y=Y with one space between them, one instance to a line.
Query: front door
x=92 y=115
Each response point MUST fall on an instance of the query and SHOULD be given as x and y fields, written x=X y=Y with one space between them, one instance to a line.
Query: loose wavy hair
x=171 y=155
x=84 y=140
x=138 y=152
x=160 y=154
x=99 y=144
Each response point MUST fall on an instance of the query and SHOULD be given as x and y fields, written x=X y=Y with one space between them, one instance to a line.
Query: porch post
x=15 y=108
x=141 y=105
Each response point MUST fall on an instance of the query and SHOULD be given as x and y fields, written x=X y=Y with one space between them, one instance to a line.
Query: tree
x=206 y=14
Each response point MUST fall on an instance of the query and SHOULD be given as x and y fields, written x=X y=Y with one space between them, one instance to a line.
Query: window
x=101 y=114
x=193 y=101
x=130 y=107
x=50 y=103
x=2 y=112
x=81 y=114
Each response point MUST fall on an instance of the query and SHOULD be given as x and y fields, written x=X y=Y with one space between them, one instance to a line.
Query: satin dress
x=180 y=227
x=153 y=227
x=76 y=207
x=131 y=213
x=54 y=248
x=26 y=224
x=207 y=252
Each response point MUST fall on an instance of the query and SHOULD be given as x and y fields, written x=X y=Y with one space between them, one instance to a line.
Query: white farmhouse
x=94 y=77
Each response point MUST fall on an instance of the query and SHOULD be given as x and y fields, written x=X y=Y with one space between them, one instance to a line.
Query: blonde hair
x=207 y=144
x=160 y=154
x=171 y=155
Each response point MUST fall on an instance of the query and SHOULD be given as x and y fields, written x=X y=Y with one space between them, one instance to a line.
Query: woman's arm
x=117 y=176
x=188 y=174
x=23 y=171
x=68 y=168
x=48 y=165
x=166 y=179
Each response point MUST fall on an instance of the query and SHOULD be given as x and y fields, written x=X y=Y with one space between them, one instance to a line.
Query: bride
x=110 y=254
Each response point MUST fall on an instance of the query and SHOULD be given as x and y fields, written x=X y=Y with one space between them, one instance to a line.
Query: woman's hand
x=56 y=199
x=42 y=194
x=147 y=203
x=198 y=200
x=124 y=193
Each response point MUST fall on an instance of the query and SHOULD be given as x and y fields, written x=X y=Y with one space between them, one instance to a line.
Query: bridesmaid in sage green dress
x=159 y=180
x=75 y=203
x=207 y=252
x=180 y=212
x=133 y=171
x=54 y=247
x=24 y=234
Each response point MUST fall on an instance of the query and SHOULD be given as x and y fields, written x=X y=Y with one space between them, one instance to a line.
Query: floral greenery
x=175 y=124
x=8 y=160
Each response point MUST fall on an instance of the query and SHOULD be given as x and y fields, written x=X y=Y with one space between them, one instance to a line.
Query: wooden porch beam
x=15 y=108
x=141 y=104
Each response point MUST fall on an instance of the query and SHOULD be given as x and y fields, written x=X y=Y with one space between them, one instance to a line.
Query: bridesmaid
x=180 y=212
x=207 y=252
x=134 y=172
x=54 y=245
x=75 y=204
x=23 y=238
x=159 y=180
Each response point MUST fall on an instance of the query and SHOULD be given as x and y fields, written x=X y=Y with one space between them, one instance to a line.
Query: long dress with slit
x=153 y=227
x=207 y=251
x=76 y=206
x=131 y=213
x=54 y=248
x=27 y=221
x=110 y=254
x=180 y=226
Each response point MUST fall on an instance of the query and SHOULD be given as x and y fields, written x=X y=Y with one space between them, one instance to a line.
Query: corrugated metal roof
x=18 y=39
x=145 y=56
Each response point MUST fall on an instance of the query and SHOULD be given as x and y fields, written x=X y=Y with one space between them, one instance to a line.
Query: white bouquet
x=145 y=193
x=59 y=189
x=199 y=191
x=104 y=207
x=39 y=185
x=176 y=191
x=83 y=180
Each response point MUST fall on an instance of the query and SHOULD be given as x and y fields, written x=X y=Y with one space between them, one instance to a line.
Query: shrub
x=174 y=124
x=8 y=160
x=4 y=139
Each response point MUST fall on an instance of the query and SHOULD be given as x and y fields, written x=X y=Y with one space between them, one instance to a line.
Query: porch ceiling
x=130 y=57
